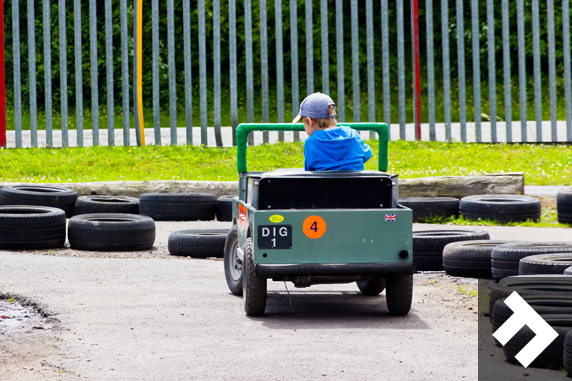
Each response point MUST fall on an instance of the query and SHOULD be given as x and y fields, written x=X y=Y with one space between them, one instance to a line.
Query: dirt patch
x=28 y=342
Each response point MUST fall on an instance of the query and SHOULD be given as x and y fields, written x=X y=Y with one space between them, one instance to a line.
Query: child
x=329 y=147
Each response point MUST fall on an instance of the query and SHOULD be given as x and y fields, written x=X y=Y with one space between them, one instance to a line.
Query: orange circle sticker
x=314 y=227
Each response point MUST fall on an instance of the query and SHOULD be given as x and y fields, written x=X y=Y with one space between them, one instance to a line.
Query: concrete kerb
x=440 y=186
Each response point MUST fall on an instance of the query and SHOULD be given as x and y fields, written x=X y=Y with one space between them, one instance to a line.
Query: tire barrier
x=568 y=271
x=568 y=353
x=564 y=205
x=40 y=195
x=106 y=204
x=531 y=285
x=469 y=258
x=505 y=258
x=503 y=208
x=25 y=227
x=198 y=243
x=111 y=232
x=428 y=246
x=178 y=206
x=427 y=207
x=224 y=208
x=553 y=354
x=545 y=264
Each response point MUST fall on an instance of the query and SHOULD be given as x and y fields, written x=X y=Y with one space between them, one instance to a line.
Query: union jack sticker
x=390 y=217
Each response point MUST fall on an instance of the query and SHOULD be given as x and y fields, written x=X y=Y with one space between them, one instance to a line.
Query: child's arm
x=367 y=153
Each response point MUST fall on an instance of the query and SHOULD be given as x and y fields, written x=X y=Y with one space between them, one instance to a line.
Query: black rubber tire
x=111 y=232
x=371 y=287
x=500 y=207
x=469 y=258
x=568 y=353
x=224 y=208
x=505 y=258
x=399 y=294
x=427 y=207
x=233 y=279
x=428 y=246
x=25 y=227
x=254 y=287
x=533 y=285
x=427 y=261
x=198 y=243
x=545 y=264
x=554 y=305
x=564 y=205
x=106 y=204
x=40 y=195
x=568 y=271
x=178 y=206
x=562 y=324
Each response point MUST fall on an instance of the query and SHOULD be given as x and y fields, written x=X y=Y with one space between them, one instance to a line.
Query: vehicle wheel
x=24 y=227
x=505 y=258
x=399 y=294
x=106 y=204
x=178 y=206
x=254 y=287
x=371 y=287
x=562 y=324
x=500 y=207
x=469 y=258
x=531 y=285
x=568 y=271
x=111 y=232
x=40 y=195
x=232 y=266
x=545 y=264
x=224 y=208
x=428 y=246
x=564 y=205
x=548 y=305
x=427 y=207
x=198 y=243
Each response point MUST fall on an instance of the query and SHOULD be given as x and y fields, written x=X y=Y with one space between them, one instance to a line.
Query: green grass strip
x=541 y=164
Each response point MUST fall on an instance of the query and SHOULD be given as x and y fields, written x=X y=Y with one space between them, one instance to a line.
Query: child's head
x=317 y=111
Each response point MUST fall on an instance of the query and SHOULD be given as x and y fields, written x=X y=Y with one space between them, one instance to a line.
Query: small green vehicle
x=319 y=228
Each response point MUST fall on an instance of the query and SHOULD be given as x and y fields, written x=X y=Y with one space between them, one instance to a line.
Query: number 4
x=314 y=226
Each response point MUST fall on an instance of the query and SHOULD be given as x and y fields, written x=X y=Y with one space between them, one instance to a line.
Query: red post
x=417 y=69
x=2 y=80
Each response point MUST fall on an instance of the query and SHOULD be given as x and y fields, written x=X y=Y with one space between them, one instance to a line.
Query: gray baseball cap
x=315 y=106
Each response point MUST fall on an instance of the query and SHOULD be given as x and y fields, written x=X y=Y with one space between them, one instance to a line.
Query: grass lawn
x=541 y=164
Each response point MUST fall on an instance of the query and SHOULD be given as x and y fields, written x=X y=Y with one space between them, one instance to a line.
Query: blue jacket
x=339 y=148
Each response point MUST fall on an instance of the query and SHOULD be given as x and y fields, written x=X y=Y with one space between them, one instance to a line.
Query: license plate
x=274 y=237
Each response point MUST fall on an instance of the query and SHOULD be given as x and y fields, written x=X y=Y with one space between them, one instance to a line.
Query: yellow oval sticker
x=276 y=218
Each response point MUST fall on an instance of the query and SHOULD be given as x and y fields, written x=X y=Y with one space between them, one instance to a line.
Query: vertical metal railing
x=251 y=79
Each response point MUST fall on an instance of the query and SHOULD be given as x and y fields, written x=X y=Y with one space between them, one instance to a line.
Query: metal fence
x=424 y=124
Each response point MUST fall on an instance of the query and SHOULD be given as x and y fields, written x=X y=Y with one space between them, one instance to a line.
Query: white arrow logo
x=523 y=315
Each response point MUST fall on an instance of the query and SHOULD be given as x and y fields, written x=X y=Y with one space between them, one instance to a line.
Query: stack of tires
x=431 y=207
x=568 y=353
x=178 y=206
x=469 y=258
x=500 y=207
x=564 y=205
x=40 y=195
x=551 y=297
x=428 y=246
x=505 y=259
x=198 y=243
x=106 y=204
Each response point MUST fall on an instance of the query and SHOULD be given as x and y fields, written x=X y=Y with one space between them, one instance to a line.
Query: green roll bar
x=244 y=129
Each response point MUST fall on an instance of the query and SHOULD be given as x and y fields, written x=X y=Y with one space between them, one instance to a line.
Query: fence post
x=446 y=69
x=2 y=80
x=188 y=74
x=172 y=69
x=309 y=49
x=32 y=73
x=78 y=73
x=521 y=70
x=567 y=90
x=294 y=59
x=233 y=68
x=124 y=75
x=476 y=68
x=492 y=70
x=94 y=74
x=506 y=71
x=370 y=66
x=249 y=73
x=155 y=65
x=279 y=66
x=325 y=48
x=537 y=73
x=461 y=67
x=417 y=71
x=216 y=62
x=430 y=70
x=401 y=69
x=264 y=66
x=355 y=61
x=340 y=60
x=202 y=74
x=385 y=59
x=552 y=68
x=109 y=74
x=17 y=76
